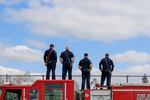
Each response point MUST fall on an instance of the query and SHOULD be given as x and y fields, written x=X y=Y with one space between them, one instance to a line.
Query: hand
x=71 y=64
x=45 y=64
x=89 y=70
x=80 y=69
x=101 y=70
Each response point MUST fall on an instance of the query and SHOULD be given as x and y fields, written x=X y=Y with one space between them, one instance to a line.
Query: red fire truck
x=119 y=93
x=66 y=90
x=40 y=90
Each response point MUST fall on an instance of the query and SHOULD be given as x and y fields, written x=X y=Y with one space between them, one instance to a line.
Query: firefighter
x=67 y=59
x=85 y=67
x=106 y=66
x=50 y=60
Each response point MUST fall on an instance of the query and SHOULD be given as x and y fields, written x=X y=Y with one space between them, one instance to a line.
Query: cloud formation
x=10 y=71
x=100 y=20
x=20 y=53
x=37 y=44
x=132 y=57
x=138 y=69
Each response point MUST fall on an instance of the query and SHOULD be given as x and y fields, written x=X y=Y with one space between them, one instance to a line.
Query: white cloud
x=37 y=44
x=20 y=53
x=101 y=20
x=132 y=57
x=138 y=69
x=10 y=71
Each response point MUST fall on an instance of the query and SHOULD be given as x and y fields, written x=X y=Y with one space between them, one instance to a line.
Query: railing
x=116 y=79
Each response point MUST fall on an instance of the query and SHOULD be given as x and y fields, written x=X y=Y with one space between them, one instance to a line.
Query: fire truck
x=68 y=90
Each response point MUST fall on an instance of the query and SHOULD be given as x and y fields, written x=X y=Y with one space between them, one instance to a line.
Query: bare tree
x=19 y=79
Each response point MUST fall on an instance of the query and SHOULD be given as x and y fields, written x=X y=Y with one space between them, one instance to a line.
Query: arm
x=100 y=63
x=72 y=60
x=55 y=56
x=91 y=67
x=44 y=57
x=61 y=58
x=112 y=64
x=80 y=67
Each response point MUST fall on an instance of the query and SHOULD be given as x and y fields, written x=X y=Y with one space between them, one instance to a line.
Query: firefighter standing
x=67 y=60
x=106 y=66
x=85 y=66
x=50 y=59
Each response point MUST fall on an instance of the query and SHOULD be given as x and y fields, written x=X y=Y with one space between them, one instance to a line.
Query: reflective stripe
x=129 y=90
x=65 y=91
x=24 y=93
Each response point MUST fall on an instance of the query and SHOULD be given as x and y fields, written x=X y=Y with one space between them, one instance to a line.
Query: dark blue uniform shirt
x=106 y=64
x=66 y=56
x=53 y=56
x=85 y=63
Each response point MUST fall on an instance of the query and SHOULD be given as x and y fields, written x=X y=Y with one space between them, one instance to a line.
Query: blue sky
x=121 y=29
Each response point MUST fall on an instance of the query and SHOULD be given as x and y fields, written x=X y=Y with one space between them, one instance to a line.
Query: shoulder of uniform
x=71 y=52
x=103 y=58
x=82 y=59
x=89 y=59
x=53 y=49
x=110 y=59
x=47 y=50
x=62 y=52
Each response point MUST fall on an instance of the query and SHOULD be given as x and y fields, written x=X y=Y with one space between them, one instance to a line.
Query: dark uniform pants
x=85 y=79
x=67 y=68
x=49 y=68
x=106 y=74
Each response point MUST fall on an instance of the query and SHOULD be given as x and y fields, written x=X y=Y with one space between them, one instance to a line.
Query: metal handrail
x=7 y=77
